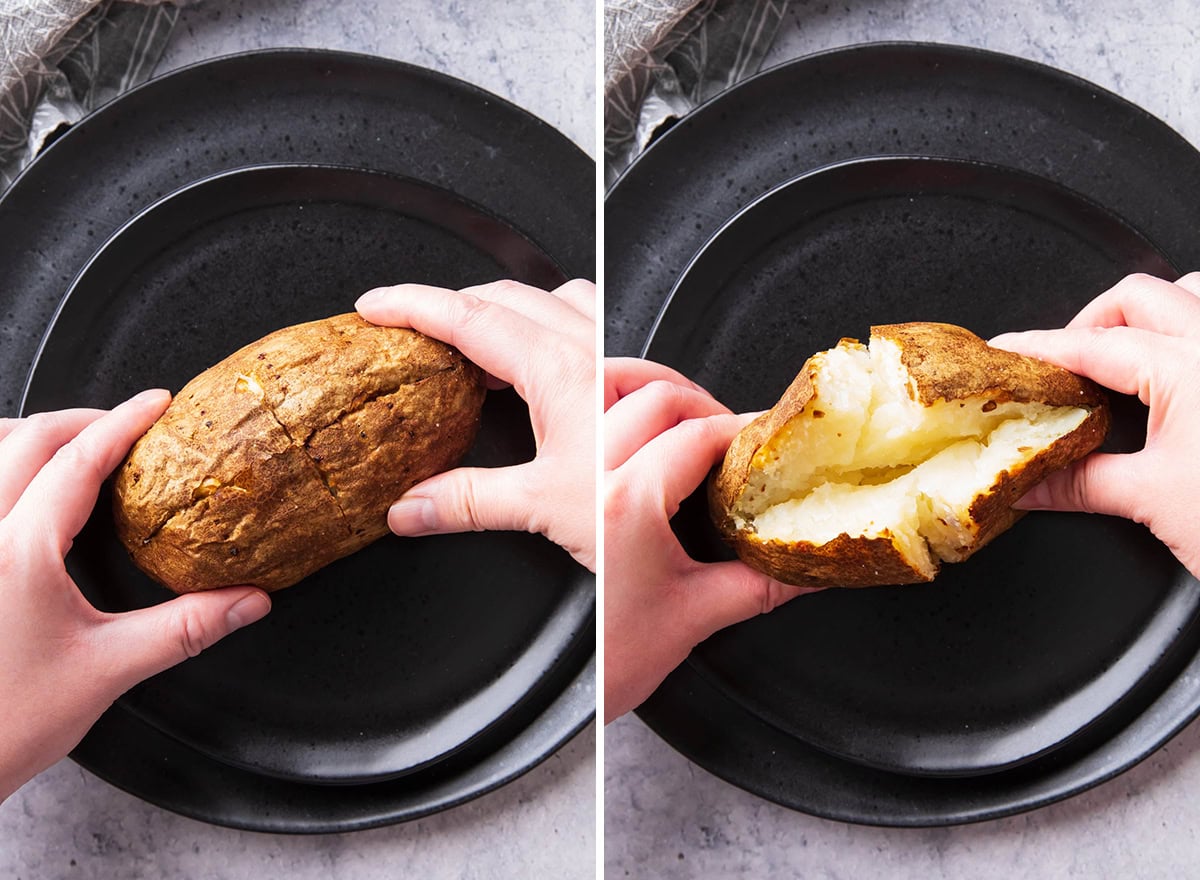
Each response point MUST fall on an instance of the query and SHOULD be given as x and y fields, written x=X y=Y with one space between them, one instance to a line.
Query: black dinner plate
x=454 y=663
x=975 y=673
x=422 y=644
x=905 y=100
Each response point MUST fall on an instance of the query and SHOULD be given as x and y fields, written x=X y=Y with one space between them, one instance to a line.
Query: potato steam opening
x=865 y=458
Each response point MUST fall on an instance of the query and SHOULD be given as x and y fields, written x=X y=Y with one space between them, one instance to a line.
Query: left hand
x=662 y=435
x=62 y=662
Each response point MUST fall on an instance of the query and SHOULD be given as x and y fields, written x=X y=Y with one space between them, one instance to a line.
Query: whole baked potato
x=881 y=462
x=286 y=455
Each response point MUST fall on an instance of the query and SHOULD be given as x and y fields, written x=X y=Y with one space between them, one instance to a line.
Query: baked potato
x=882 y=461
x=286 y=455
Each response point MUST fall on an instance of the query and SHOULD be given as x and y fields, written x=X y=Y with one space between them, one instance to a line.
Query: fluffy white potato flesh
x=866 y=458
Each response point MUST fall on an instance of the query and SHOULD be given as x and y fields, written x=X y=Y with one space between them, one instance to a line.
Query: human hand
x=544 y=345
x=1141 y=337
x=62 y=662
x=662 y=435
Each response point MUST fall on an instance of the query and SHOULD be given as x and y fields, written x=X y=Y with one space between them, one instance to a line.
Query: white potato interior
x=866 y=459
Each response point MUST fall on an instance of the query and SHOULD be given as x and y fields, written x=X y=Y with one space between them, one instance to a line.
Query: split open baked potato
x=286 y=455
x=881 y=462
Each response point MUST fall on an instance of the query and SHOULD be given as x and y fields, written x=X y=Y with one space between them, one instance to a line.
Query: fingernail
x=412 y=516
x=370 y=298
x=148 y=395
x=247 y=610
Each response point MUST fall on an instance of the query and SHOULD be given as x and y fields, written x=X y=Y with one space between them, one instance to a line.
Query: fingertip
x=145 y=641
x=374 y=303
x=253 y=606
x=151 y=396
x=413 y=515
x=1014 y=341
x=374 y=297
x=726 y=426
x=378 y=305
x=1037 y=498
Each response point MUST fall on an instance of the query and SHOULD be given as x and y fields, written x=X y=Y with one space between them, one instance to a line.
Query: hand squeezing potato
x=879 y=463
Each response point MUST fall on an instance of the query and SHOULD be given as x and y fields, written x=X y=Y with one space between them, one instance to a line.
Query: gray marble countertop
x=667 y=818
x=67 y=823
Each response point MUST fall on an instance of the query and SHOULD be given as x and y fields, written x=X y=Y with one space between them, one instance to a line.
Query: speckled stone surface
x=66 y=823
x=1147 y=58
x=69 y=824
x=667 y=818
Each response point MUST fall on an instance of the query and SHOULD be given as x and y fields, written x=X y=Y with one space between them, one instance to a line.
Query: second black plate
x=394 y=658
x=1054 y=626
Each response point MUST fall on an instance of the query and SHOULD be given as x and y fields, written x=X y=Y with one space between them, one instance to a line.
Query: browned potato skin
x=946 y=363
x=232 y=486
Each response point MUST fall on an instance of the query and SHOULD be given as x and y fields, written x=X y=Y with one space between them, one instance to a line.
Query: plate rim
x=917 y=46
x=298 y=53
x=801 y=179
x=142 y=215
x=576 y=694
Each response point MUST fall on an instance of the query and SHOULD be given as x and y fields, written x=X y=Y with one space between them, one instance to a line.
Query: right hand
x=544 y=344
x=1141 y=337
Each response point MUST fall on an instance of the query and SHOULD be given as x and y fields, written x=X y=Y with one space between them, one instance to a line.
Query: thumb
x=724 y=593
x=139 y=644
x=1101 y=483
x=466 y=500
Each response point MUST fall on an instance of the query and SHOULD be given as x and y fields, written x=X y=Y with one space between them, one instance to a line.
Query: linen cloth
x=61 y=59
x=664 y=57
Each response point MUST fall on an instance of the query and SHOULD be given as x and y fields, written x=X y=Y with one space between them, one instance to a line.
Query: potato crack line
x=357 y=404
x=317 y=469
x=167 y=521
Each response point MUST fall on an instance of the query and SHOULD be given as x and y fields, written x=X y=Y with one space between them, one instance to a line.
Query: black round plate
x=1030 y=642
x=480 y=641
x=356 y=676
x=173 y=775
x=900 y=100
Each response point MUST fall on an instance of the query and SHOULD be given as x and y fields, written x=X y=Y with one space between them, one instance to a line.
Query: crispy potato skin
x=725 y=486
x=842 y=562
x=949 y=363
x=946 y=362
x=286 y=455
